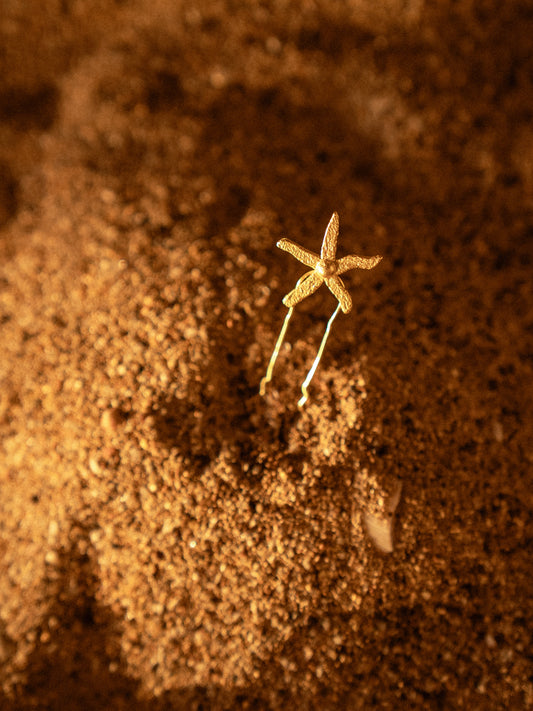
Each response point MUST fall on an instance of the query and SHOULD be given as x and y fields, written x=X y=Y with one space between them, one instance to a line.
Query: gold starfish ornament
x=324 y=268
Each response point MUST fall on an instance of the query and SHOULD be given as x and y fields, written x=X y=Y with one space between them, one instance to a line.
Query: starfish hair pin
x=325 y=268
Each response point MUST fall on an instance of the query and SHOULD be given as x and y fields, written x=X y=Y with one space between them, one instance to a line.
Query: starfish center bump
x=326 y=267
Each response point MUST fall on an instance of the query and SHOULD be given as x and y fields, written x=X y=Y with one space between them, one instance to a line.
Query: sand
x=168 y=538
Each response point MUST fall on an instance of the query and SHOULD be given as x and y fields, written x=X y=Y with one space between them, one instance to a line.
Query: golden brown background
x=169 y=539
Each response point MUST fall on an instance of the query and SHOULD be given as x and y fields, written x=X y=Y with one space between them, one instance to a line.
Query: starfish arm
x=306 y=286
x=329 y=243
x=304 y=256
x=337 y=288
x=353 y=261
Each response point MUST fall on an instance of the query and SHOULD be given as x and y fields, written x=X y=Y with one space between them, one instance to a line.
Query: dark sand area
x=168 y=538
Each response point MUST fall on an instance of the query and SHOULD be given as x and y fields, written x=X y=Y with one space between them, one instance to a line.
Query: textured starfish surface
x=325 y=267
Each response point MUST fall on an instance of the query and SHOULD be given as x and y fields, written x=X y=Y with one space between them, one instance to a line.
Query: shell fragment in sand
x=379 y=528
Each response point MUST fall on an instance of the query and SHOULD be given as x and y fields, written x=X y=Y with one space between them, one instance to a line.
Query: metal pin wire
x=279 y=342
x=277 y=347
x=305 y=393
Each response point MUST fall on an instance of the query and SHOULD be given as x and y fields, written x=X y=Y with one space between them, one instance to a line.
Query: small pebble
x=94 y=466
x=53 y=531
x=52 y=558
x=111 y=419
